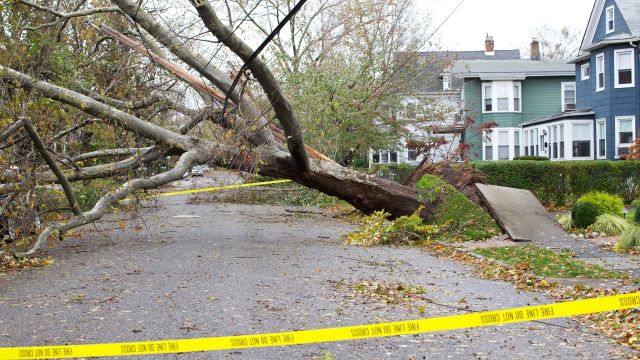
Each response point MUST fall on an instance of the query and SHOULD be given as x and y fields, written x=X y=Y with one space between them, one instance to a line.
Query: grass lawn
x=548 y=263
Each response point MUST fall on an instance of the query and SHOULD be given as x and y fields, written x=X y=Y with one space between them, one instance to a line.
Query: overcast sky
x=511 y=22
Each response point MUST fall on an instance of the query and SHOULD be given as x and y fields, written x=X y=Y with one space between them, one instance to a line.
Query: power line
x=412 y=54
x=262 y=46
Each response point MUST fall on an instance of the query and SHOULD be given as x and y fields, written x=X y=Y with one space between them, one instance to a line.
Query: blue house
x=607 y=117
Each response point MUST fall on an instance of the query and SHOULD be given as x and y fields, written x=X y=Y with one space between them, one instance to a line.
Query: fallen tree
x=250 y=140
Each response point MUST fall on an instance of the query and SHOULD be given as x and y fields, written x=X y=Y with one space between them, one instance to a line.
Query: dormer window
x=611 y=19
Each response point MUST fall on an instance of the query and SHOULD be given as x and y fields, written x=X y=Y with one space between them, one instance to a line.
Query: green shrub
x=565 y=222
x=636 y=215
x=562 y=182
x=462 y=219
x=605 y=203
x=635 y=203
x=610 y=224
x=532 y=158
x=629 y=239
x=584 y=214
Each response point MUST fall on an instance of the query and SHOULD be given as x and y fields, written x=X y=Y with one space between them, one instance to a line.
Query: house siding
x=611 y=102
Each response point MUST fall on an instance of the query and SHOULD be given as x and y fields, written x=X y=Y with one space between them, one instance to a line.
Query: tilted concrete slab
x=521 y=215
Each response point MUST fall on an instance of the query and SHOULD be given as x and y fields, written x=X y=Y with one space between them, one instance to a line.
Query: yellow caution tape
x=523 y=314
x=218 y=188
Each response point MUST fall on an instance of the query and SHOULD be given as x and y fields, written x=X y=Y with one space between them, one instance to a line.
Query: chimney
x=489 y=46
x=535 y=50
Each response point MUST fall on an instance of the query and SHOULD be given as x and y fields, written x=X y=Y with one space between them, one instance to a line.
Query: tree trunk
x=365 y=192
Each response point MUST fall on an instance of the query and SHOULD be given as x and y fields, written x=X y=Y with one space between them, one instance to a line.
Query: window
x=561 y=141
x=503 y=145
x=488 y=105
x=384 y=159
x=586 y=71
x=581 y=140
x=376 y=157
x=502 y=96
x=625 y=130
x=611 y=19
x=568 y=96
x=393 y=157
x=446 y=82
x=526 y=142
x=412 y=155
x=554 y=139
x=600 y=72
x=537 y=144
x=624 y=68
x=516 y=142
x=531 y=143
x=488 y=148
x=602 y=138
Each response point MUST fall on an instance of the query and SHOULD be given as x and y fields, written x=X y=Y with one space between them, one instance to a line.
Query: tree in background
x=556 y=44
x=338 y=62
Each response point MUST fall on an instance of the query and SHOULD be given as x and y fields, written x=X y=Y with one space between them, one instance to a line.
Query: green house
x=499 y=96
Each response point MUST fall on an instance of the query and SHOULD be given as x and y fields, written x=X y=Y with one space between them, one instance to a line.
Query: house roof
x=511 y=69
x=474 y=55
x=630 y=10
x=580 y=114
x=432 y=64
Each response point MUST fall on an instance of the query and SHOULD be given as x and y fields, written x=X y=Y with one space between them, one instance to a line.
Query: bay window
x=554 y=141
x=625 y=134
x=581 y=140
x=488 y=147
x=488 y=98
x=531 y=143
x=502 y=96
x=561 y=141
x=600 y=72
x=503 y=145
x=624 y=68
x=516 y=142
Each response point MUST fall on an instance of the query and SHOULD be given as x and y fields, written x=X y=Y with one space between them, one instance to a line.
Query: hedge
x=562 y=182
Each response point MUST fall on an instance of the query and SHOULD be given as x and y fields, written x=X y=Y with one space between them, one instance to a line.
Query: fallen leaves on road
x=623 y=326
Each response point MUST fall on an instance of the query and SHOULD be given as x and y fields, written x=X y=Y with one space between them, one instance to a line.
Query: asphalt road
x=186 y=271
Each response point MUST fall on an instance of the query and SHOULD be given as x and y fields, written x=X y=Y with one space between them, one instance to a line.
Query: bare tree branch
x=107 y=201
x=62 y=180
x=65 y=16
x=110 y=153
x=100 y=110
x=265 y=77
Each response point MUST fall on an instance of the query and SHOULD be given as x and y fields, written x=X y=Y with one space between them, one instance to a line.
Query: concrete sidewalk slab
x=521 y=215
